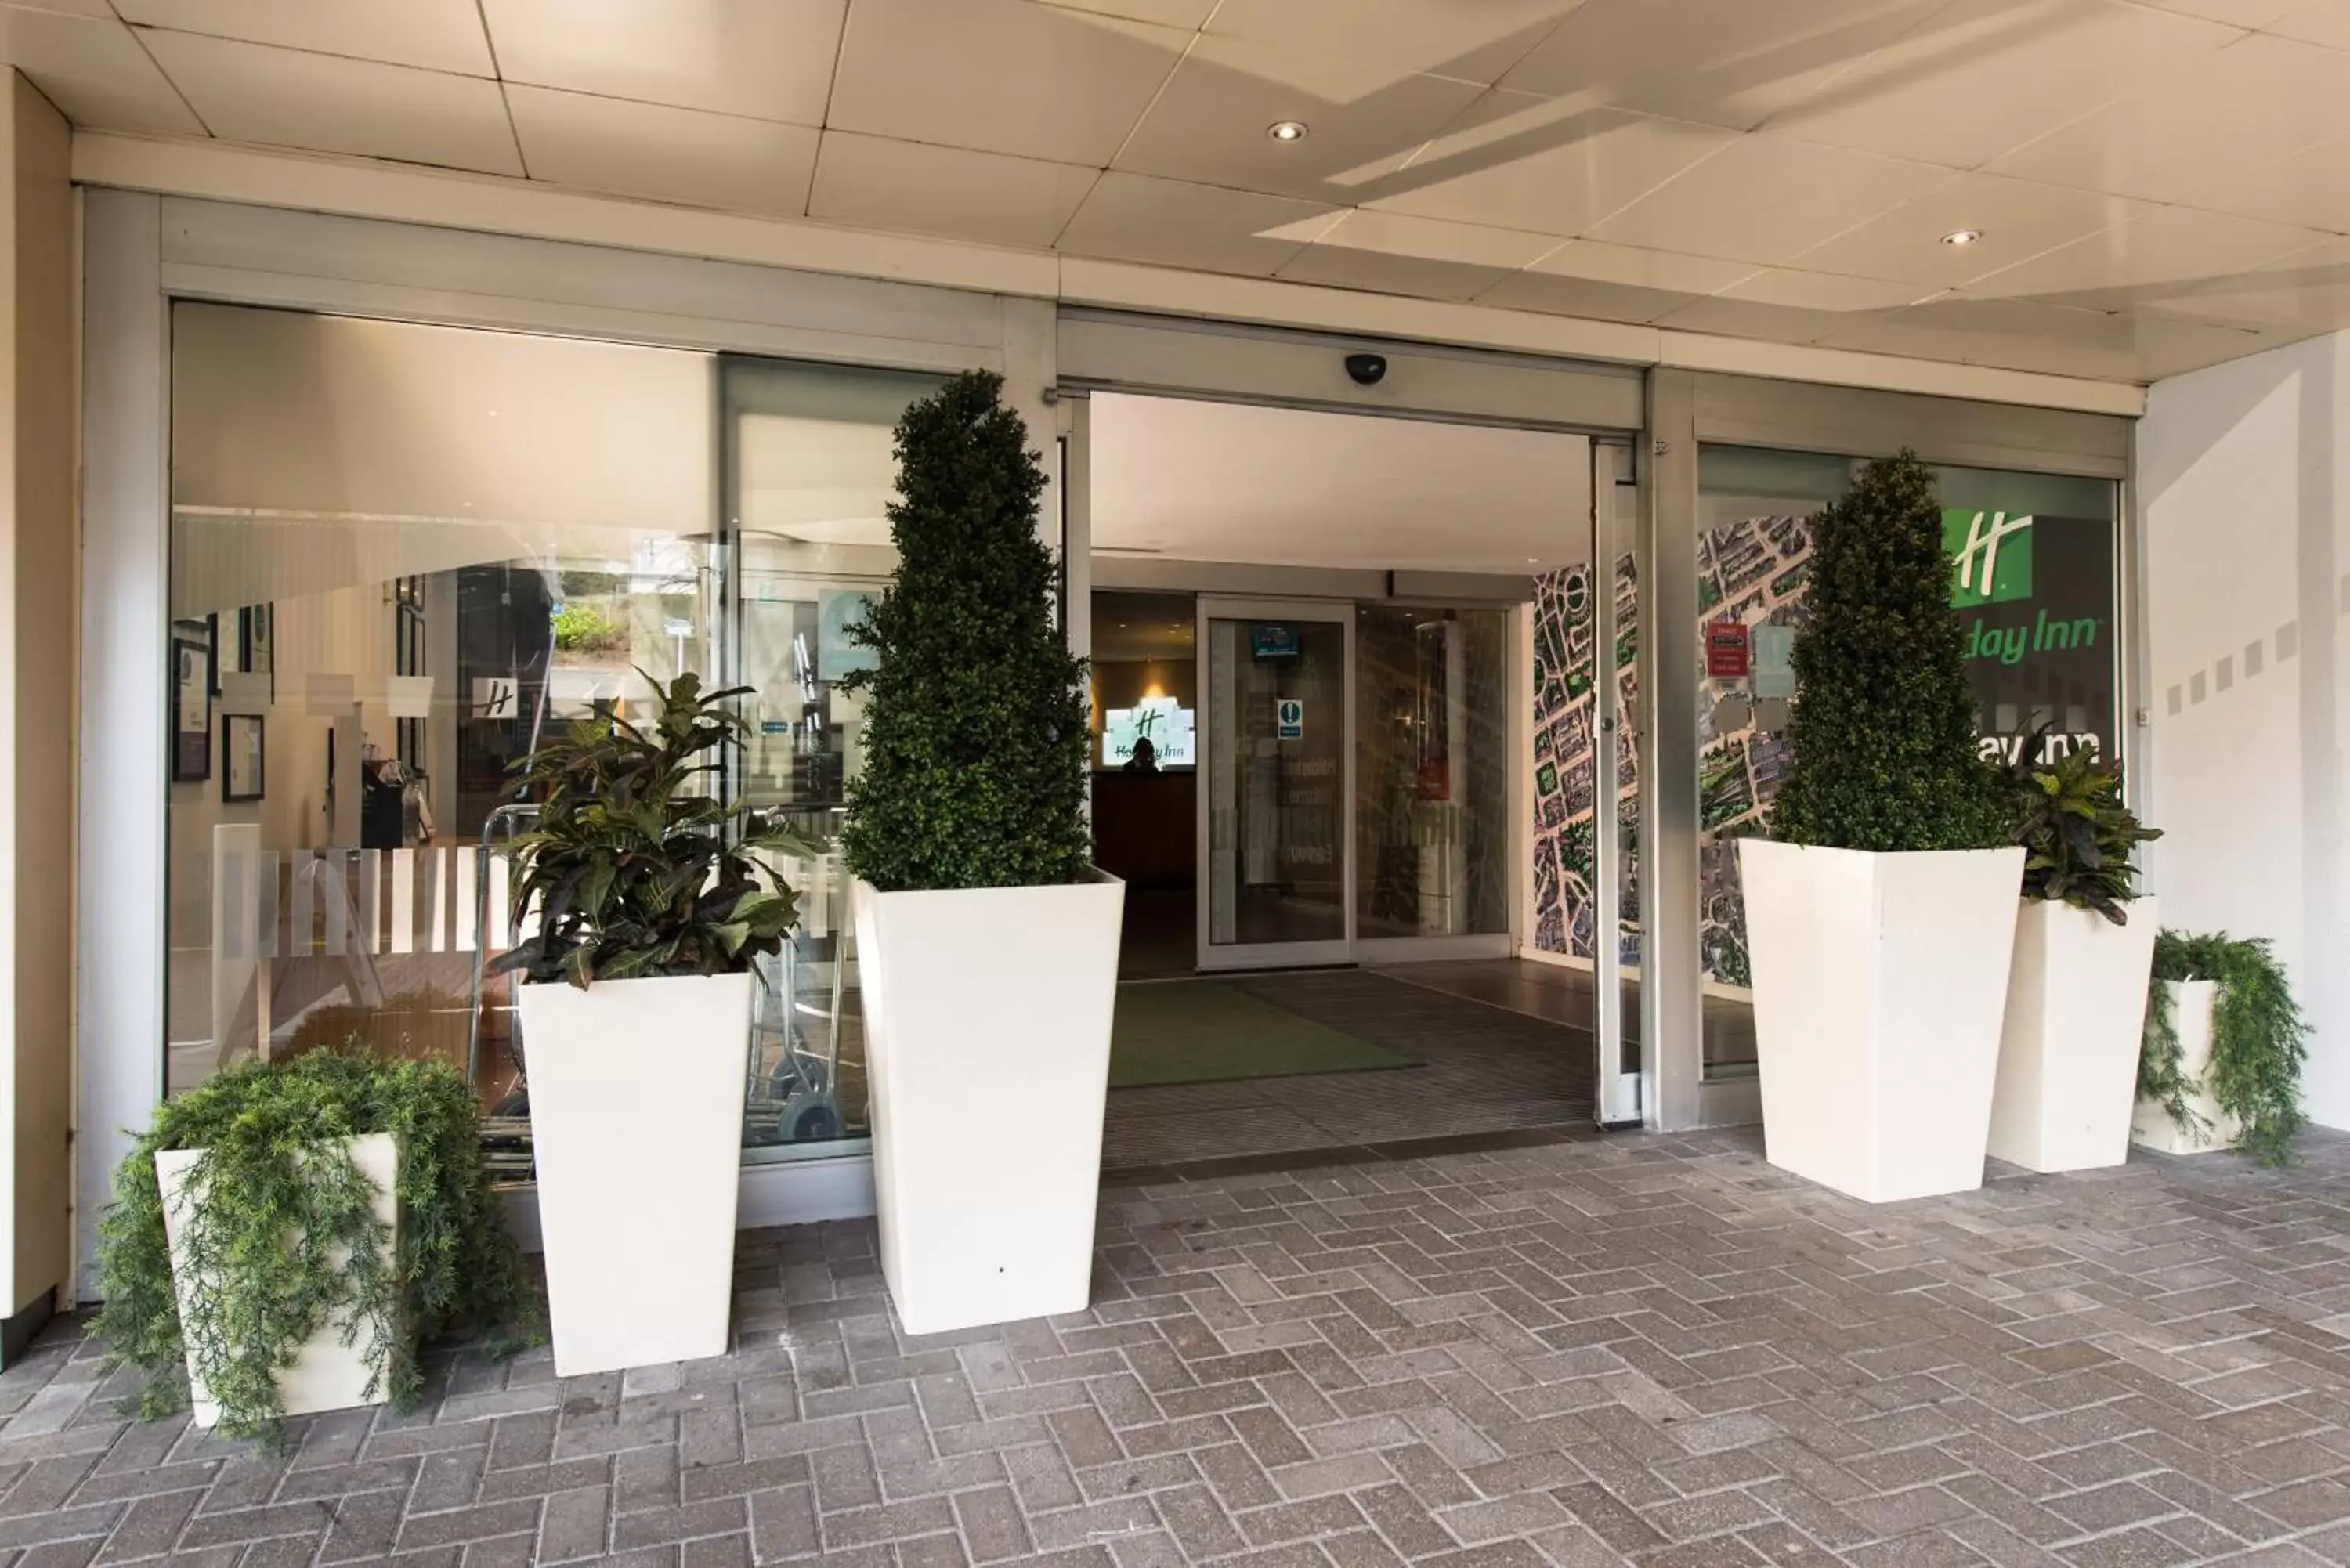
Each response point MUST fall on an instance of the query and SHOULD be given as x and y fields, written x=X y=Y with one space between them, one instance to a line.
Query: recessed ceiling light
x=1961 y=236
x=1287 y=131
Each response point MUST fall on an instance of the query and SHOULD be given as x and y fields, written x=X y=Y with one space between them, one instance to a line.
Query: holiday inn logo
x=1992 y=551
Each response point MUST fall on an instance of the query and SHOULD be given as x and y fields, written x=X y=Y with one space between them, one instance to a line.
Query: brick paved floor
x=1645 y=1349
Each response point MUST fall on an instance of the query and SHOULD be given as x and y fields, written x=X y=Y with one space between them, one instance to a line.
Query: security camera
x=1368 y=370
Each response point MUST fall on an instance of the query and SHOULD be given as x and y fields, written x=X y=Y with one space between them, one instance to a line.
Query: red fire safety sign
x=1726 y=650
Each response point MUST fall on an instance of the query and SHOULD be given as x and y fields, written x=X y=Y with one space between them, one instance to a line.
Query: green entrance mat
x=1211 y=1031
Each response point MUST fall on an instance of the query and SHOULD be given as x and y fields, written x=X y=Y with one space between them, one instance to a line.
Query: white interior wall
x=2242 y=498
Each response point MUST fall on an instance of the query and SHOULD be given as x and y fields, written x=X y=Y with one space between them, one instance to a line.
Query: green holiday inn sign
x=1992 y=565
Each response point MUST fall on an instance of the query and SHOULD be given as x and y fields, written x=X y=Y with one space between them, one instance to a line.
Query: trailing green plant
x=280 y=1225
x=1884 y=726
x=636 y=868
x=2080 y=838
x=2259 y=1042
x=975 y=716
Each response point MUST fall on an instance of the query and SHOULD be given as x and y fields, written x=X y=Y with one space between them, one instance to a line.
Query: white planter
x=987 y=1020
x=2150 y=1124
x=2068 y=1059
x=636 y=1122
x=326 y=1373
x=1879 y=984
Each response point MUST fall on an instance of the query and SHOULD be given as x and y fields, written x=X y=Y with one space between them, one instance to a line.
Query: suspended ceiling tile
x=1593 y=298
x=2310 y=187
x=1767 y=200
x=98 y=9
x=93 y=69
x=1733 y=63
x=2308 y=290
x=1139 y=217
x=2325 y=22
x=768 y=59
x=2235 y=12
x=2025 y=335
x=1478 y=43
x=2256 y=102
x=2168 y=249
x=1528 y=163
x=668 y=154
x=1184 y=13
x=1793 y=306
x=1983 y=76
x=1604 y=263
x=1000 y=75
x=285 y=98
x=436 y=35
x=1396 y=254
x=2017 y=219
x=1364 y=119
x=875 y=182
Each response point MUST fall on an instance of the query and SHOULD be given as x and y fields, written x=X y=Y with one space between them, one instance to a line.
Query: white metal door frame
x=1270 y=955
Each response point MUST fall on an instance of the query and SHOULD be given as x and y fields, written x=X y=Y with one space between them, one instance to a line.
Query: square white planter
x=2068 y=1059
x=2150 y=1124
x=1879 y=985
x=636 y=1124
x=326 y=1373
x=987 y=1021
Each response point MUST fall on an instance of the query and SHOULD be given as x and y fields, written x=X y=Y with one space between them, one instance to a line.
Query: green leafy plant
x=1884 y=726
x=975 y=720
x=584 y=628
x=2079 y=837
x=283 y=1229
x=2259 y=1042
x=634 y=867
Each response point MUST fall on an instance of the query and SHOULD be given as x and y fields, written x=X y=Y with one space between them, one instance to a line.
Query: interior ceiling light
x=1287 y=131
x=1961 y=236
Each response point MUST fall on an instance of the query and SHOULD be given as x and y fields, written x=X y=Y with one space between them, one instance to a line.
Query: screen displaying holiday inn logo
x=2034 y=597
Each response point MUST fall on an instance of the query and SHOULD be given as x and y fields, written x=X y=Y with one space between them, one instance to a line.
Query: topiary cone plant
x=1882 y=913
x=987 y=945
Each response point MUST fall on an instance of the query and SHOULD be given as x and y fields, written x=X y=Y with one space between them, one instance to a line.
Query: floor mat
x=1211 y=1031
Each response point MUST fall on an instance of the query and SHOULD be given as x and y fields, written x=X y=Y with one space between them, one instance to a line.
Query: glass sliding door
x=1276 y=787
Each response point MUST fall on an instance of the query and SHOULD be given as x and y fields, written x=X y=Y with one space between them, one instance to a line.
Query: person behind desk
x=1145 y=757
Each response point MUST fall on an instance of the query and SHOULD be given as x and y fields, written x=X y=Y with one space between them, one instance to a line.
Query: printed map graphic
x=1565 y=700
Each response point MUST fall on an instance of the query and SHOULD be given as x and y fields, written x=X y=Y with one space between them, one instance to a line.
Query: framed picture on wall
x=191 y=701
x=243 y=757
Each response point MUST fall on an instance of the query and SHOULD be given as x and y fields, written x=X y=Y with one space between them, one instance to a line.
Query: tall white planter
x=326 y=1373
x=636 y=1122
x=987 y=1022
x=2068 y=1058
x=1879 y=984
x=2150 y=1124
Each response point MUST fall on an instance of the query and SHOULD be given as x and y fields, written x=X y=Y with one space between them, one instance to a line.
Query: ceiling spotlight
x=1961 y=236
x=1286 y=130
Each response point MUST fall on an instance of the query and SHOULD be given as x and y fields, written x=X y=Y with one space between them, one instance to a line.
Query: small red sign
x=1726 y=650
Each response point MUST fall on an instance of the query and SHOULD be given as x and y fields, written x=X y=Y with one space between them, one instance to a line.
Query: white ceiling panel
x=2310 y=188
x=875 y=182
x=2016 y=220
x=1392 y=252
x=1000 y=75
x=436 y=35
x=668 y=154
x=2325 y=22
x=2235 y=12
x=1526 y=163
x=768 y=59
x=1733 y=63
x=285 y=98
x=2306 y=291
x=1187 y=15
x=1980 y=77
x=1613 y=283
x=93 y=70
x=2024 y=335
x=1364 y=119
x=1592 y=298
x=1767 y=200
x=2256 y=102
x=2169 y=249
x=1478 y=42
x=1788 y=306
x=1137 y=217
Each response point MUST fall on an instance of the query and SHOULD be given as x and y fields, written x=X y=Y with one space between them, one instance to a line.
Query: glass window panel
x=1432 y=740
x=2033 y=585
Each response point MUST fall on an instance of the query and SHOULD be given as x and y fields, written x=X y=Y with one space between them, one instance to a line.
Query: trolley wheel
x=814 y=1122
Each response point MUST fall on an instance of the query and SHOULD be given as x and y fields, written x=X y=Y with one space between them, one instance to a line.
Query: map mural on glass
x=1566 y=774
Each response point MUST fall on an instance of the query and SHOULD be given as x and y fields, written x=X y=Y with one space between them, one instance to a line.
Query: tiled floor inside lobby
x=1645 y=1349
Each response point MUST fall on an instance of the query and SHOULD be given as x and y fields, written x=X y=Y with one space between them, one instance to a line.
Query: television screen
x=1269 y=641
x=1166 y=722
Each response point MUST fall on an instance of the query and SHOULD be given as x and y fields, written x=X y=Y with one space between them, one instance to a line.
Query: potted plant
x=987 y=943
x=2223 y=1049
x=285 y=1233
x=645 y=900
x=2076 y=989
x=1882 y=918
